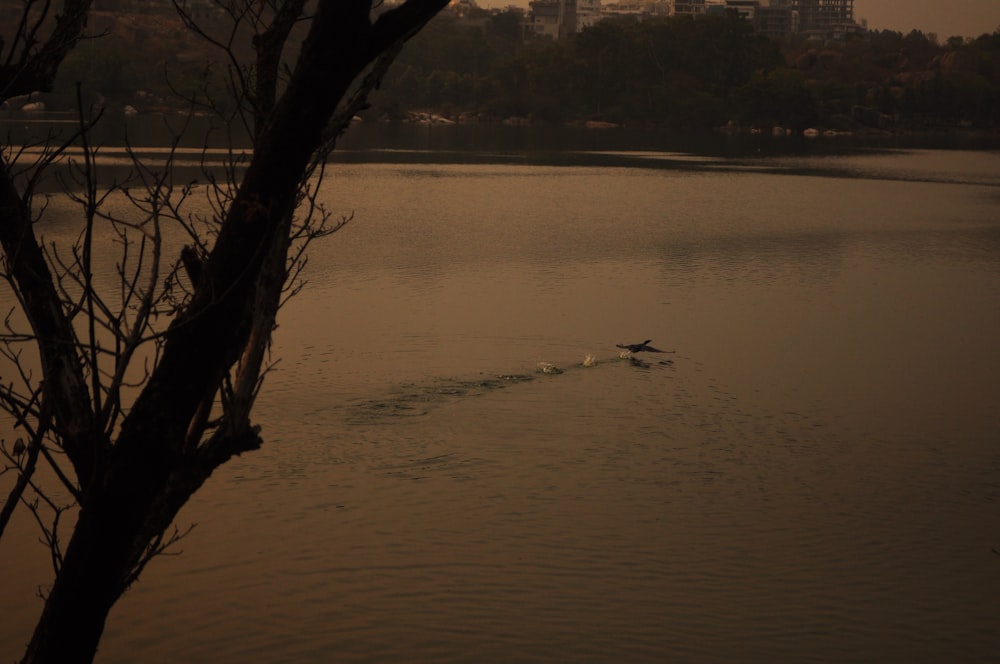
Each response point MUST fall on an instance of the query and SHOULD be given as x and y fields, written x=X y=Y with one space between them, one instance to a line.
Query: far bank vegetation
x=675 y=72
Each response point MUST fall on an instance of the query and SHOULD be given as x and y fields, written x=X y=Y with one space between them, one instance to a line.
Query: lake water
x=812 y=474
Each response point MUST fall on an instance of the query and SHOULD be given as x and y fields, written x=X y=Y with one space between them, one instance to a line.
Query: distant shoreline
x=116 y=121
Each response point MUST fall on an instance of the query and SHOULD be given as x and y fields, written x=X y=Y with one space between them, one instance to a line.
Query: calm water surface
x=812 y=475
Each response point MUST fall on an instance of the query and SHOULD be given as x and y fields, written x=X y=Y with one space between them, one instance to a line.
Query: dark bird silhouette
x=638 y=348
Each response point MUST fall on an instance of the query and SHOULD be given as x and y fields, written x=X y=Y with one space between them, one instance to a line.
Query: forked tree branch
x=31 y=65
x=165 y=444
x=65 y=387
x=25 y=467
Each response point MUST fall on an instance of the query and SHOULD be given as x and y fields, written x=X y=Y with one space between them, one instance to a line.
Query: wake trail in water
x=417 y=399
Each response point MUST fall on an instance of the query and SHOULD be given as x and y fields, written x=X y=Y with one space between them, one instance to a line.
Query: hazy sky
x=968 y=18
x=947 y=18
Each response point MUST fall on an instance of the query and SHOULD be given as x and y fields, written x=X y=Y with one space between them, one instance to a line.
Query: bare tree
x=130 y=414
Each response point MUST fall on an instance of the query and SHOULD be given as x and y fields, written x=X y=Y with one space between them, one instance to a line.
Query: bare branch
x=30 y=67
x=195 y=348
x=65 y=385
x=26 y=467
x=158 y=547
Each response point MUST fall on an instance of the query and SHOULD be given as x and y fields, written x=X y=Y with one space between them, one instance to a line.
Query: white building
x=588 y=12
x=689 y=7
x=552 y=18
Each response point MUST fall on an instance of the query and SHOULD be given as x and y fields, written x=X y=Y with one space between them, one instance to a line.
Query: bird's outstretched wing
x=638 y=348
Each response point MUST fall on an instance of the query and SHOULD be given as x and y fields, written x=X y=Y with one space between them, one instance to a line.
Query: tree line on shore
x=675 y=72
x=701 y=72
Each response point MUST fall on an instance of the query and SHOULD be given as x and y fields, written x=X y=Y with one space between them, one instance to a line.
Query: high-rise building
x=826 y=18
x=777 y=20
x=588 y=12
x=552 y=18
x=746 y=9
x=691 y=7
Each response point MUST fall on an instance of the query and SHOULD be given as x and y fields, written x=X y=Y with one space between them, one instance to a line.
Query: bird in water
x=638 y=348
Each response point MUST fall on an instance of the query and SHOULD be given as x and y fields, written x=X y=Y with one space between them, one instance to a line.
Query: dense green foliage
x=672 y=72
x=701 y=72
x=144 y=56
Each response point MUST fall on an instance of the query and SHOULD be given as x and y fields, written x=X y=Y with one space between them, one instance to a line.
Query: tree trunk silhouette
x=131 y=480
